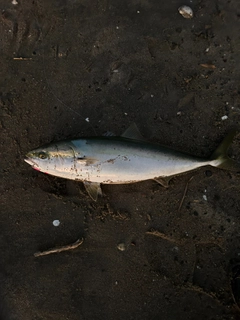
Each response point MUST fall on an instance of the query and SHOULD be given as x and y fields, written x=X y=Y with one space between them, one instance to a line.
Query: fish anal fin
x=163 y=181
x=93 y=189
x=132 y=132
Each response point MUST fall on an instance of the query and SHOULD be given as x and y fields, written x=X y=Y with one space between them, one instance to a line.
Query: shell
x=186 y=12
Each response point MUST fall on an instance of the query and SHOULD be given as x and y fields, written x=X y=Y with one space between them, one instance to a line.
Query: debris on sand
x=224 y=118
x=186 y=12
x=60 y=249
x=121 y=247
x=208 y=65
x=56 y=223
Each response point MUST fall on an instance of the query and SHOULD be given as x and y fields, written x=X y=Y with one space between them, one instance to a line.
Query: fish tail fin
x=220 y=158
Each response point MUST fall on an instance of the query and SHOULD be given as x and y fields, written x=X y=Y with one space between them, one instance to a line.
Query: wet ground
x=81 y=68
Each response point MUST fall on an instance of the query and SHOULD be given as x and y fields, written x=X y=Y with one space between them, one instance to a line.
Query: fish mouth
x=31 y=162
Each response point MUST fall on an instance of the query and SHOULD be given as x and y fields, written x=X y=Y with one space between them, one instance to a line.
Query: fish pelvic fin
x=93 y=189
x=163 y=181
x=220 y=158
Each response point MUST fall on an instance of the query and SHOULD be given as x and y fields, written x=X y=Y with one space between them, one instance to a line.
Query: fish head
x=52 y=158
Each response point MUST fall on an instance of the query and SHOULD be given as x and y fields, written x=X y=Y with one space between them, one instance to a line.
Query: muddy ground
x=81 y=68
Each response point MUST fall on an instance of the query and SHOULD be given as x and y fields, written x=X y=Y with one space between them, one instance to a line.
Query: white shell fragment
x=186 y=12
x=56 y=223
x=224 y=118
x=121 y=247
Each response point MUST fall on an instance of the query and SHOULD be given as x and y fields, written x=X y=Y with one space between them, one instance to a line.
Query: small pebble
x=14 y=2
x=186 y=12
x=121 y=247
x=224 y=118
x=204 y=197
x=87 y=119
x=56 y=223
x=208 y=173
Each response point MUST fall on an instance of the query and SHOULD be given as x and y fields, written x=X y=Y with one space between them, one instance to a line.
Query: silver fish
x=119 y=160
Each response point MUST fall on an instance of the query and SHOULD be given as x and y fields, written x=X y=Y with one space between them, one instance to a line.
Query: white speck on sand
x=186 y=12
x=121 y=247
x=224 y=118
x=56 y=223
x=87 y=119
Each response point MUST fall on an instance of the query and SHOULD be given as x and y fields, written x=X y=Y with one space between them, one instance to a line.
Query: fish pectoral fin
x=132 y=132
x=93 y=189
x=86 y=160
x=163 y=181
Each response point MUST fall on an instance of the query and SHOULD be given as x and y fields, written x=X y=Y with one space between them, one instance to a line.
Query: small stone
x=224 y=118
x=208 y=173
x=186 y=12
x=121 y=247
x=204 y=197
x=56 y=223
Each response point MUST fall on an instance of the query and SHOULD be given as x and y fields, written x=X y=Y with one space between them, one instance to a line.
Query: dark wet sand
x=114 y=62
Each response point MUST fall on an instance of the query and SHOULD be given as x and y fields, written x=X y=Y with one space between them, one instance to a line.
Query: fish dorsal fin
x=93 y=189
x=109 y=134
x=132 y=132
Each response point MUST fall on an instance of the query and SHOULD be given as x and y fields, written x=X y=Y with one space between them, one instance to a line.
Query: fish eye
x=42 y=155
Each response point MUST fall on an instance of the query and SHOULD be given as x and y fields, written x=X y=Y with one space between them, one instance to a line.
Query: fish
x=128 y=158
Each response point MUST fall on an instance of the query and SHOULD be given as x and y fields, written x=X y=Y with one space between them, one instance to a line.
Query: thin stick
x=184 y=194
x=160 y=235
x=207 y=65
x=21 y=58
x=59 y=249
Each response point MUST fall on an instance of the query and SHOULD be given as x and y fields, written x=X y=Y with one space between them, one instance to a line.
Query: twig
x=160 y=235
x=21 y=58
x=60 y=249
x=208 y=65
x=184 y=194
